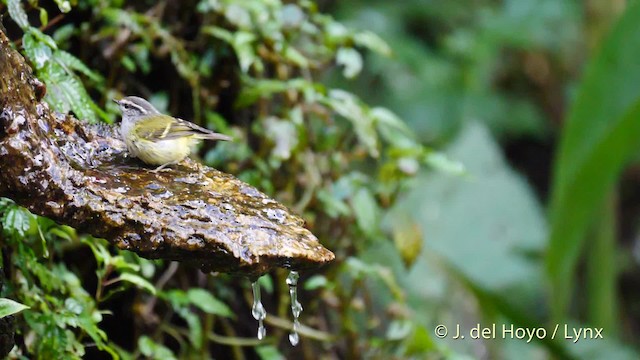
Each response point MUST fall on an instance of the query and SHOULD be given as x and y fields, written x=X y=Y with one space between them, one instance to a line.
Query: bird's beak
x=116 y=101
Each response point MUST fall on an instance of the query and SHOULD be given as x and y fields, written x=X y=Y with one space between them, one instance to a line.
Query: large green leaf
x=485 y=225
x=10 y=307
x=601 y=132
x=486 y=228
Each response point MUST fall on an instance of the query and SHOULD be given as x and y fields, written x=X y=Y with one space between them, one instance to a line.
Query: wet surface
x=82 y=176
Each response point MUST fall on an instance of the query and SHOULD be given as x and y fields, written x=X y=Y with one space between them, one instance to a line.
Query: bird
x=156 y=138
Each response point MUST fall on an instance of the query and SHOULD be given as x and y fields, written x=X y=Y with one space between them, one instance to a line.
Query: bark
x=81 y=175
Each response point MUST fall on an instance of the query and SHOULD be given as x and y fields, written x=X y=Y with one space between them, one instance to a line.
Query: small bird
x=156 y=138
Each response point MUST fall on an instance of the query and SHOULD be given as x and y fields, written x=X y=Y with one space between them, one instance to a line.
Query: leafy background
x=467 y=161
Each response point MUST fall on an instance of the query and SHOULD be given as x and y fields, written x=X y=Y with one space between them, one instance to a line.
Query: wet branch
x=81 y=175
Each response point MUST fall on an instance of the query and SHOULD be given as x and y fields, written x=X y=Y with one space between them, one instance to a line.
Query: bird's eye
x=126 y=106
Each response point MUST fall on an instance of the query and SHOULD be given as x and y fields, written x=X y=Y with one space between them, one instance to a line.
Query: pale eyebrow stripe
x=142 y=110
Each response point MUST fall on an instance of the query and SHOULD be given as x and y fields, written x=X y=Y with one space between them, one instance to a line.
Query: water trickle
x=258 y=311
x=296 y=307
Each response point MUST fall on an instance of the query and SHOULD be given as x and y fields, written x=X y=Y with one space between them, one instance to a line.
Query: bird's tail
x=214 y=136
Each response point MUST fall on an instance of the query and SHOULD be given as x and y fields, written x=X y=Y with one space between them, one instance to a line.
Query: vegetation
x=420 y=239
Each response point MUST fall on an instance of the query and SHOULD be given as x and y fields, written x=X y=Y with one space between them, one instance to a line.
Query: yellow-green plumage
x=158 y=139
x=159 y=152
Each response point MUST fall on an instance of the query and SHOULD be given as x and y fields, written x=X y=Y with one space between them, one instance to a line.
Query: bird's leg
x=163 y=166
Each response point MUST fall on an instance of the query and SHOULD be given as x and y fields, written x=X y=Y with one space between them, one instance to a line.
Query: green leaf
x=291 y=16
x=121 y=264
x=43 y=38
x=269 y=352
x=195 y=326
x=205 y=6
x=139 y=281
x=296 y=57
x=17 y=13
x=10 y=307
x=241 y=41
x=72 y=62
x=284 y=135
x=44 y=16
x=332 y=205
x=38 y=52
x=150 y=348
x=238 y=15
x=73 y=306
x=255 y=89
x=64 y=33
x=266 y=283
x=99 y=250
x=66 y=93
x=399 y=329
x=351 y=60
x=177 y=297
x=420 y=342
x=141 y=56
x=315 y=282
x=502 y=218
x=61 y=233
x=366 y=210
x=16 y=221
x=392 y=128
x=4 y=203
x=128 y=63
x=601 y=133
x=496 y=254
x=442 y=163
x=207 y=303
x=373 y=42
x=360 y=269
x=124 y=18
x=90 y=326
x=64 y=5
x=349 y=107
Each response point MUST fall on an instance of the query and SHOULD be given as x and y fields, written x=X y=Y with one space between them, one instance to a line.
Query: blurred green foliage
x=466 y=68
x=247 y=67
x=600 y=137
x=309 y=100
x=467 y=61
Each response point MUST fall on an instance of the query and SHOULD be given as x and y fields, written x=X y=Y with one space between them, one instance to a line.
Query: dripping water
x=296 y=307
x=258 y=311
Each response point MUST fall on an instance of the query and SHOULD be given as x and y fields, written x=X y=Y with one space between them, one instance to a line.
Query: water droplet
x=294 y=338
x=296 y=307
x=292 y=279
x=262 y=331
x=258 y=311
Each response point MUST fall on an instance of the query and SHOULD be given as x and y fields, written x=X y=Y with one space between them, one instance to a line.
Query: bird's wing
x=164 y=127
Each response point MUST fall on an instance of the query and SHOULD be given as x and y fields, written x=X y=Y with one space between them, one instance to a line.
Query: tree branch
x=80 y=175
